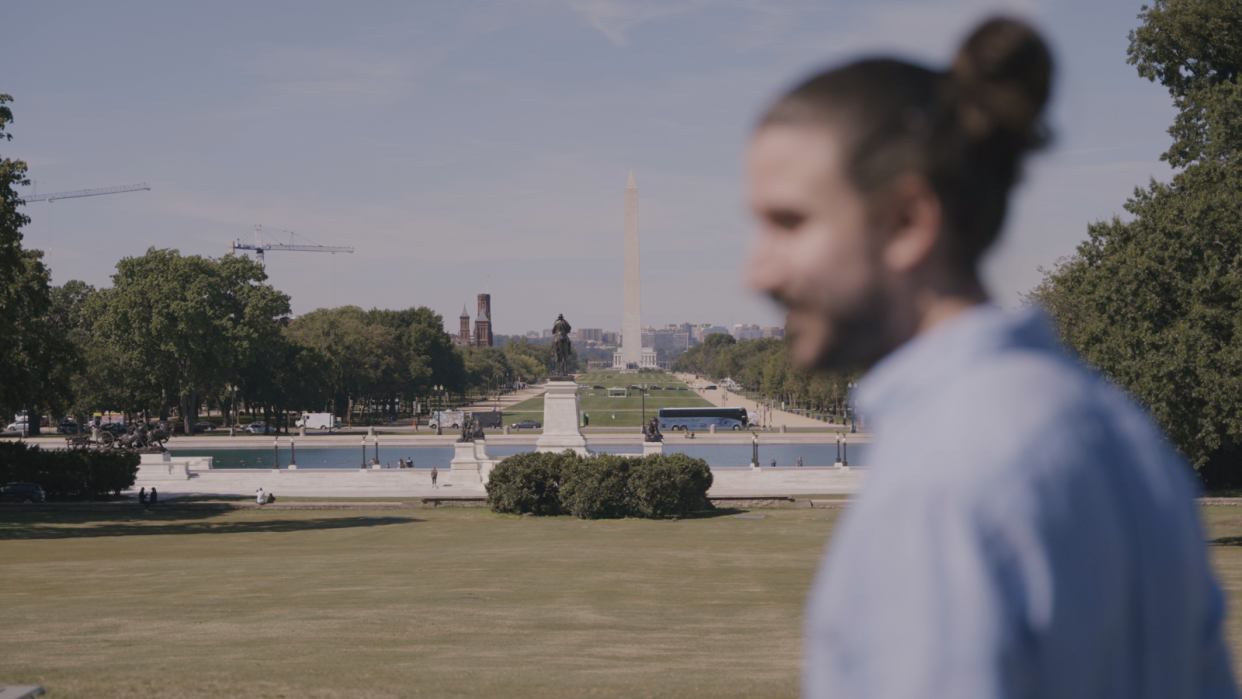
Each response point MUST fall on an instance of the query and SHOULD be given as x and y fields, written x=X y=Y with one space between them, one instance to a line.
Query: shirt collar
x=932 y=358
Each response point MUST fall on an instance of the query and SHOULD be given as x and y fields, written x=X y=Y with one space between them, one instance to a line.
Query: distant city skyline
x=455 y=142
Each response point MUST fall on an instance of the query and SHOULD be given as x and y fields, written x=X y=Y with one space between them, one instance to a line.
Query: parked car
x=257 y=428
x=710 y=388
x=19 y=426
x=527 y=425
x=204 y=426
x=21 y=492
x=115 y=428
x=656 y=388
x=598 y=388
x=682 y=388
x=67 y=427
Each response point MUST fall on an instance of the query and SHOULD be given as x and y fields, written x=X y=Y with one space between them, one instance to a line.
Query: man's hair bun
x=1001 y=79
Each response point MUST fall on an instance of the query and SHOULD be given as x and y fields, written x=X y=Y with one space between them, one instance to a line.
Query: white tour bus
x=703 y=418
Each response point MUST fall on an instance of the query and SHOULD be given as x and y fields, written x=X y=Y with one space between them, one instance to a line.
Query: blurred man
x=1024 y=530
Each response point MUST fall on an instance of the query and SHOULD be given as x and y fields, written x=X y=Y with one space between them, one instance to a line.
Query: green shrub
x=529 y=483
x=75 y=474
x=606 y=486
x=598 y=488
x=669 y=486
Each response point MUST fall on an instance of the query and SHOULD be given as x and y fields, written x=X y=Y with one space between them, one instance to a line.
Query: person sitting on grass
x=259 y=497
x=142 y=496
x=155 y=497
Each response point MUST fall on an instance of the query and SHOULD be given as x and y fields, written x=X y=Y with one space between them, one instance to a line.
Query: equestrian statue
x=562 y=348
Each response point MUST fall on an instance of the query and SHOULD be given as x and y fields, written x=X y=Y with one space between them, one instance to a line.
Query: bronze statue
x=651 y=431
x=143 y=437
x=467 y=428
x=562 y=348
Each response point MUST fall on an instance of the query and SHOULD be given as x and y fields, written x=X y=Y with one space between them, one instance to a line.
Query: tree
x=34 y=356
x=187 y=325
x=1155 y=303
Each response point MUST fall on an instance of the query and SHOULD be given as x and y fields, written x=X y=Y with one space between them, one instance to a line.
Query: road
x=723 y=397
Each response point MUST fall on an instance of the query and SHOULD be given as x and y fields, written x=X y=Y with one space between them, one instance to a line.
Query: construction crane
x=84 y=193
x=259 y=245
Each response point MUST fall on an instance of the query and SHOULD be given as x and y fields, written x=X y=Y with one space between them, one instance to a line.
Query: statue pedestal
x=560 y=419
x=650 y=448
x=470 y=465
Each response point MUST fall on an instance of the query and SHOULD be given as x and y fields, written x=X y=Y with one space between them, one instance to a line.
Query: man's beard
x=853 y=338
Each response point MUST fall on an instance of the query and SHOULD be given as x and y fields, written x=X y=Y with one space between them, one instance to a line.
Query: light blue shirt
x=1023 y=531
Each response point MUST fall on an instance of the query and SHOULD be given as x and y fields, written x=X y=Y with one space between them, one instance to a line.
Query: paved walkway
x=777 y=417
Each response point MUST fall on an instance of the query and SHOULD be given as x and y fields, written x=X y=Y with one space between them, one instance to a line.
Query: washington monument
x=632 y=353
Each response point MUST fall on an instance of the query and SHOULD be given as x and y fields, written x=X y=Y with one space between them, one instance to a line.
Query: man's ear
x=911 y=219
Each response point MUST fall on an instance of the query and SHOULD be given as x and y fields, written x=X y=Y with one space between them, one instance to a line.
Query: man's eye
x=788 y=220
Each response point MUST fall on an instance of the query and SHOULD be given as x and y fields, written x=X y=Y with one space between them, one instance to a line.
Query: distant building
x=483 y=322
x=533 y=334
x=700 y=332
x=669 y=339
x=774 y=332
x=610 y=338
x=547 y=332
x=482 y=335
x=742 y=331
x=463 y=335
x=590 y=334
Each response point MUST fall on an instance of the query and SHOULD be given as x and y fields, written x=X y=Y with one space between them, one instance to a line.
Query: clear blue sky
x=449 y=142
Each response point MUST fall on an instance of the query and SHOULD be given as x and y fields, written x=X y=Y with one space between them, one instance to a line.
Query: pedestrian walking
x=434 y=472
x=773 y=463
x=799 y=462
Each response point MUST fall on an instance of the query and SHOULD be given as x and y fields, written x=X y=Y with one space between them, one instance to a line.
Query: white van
x=318 y=421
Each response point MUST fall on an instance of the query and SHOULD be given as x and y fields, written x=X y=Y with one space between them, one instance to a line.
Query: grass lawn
x=597 y=403
x=446 y=602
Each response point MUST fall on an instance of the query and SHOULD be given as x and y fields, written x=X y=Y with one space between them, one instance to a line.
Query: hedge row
x=604 y=486
x=74 y=474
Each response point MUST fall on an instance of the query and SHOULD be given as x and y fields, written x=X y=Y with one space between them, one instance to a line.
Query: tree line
x=1155 y=302
x=764 y=367
x=175 y=332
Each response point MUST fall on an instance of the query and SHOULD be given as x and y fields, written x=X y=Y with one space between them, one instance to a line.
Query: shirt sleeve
x=1217 y=673
x=924 y=605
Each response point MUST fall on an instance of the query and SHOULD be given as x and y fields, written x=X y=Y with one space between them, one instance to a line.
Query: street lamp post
x=233 y=411
x=853 y=409
x=364 y=452
x=276 y=452
x=642 y=391
x=754 y=449
x=293 y=454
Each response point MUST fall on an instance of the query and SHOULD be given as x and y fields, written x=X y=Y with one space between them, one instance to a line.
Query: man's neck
x=935 y=306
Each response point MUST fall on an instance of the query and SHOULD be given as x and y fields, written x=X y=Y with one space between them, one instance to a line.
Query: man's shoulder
x=1038 y=420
